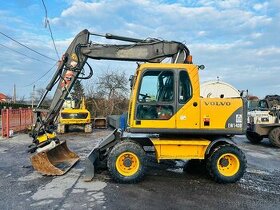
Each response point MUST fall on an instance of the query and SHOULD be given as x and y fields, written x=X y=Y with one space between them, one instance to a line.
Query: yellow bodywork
x=216 y=113
x=45 y=137
x=75 y=115
x=196 y=114
x=180 y=149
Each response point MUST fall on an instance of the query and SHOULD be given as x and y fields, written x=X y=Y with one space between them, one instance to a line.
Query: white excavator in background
x=263 y=120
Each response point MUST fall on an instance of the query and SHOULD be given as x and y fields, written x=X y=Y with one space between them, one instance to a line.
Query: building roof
x=3 y=97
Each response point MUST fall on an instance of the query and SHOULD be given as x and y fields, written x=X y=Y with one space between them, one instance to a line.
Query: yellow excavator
x=70 y=115
x=165 y=112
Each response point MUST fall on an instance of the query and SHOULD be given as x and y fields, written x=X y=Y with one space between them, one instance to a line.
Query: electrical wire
x=20 y=53
x=26 y=46
x=48 y=25
x=41 y=76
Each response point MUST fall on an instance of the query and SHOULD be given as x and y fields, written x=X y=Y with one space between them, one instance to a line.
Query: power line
x=53 y=39
x=23 y=54
x=47 y=24
x=26 y=46
x=41 y=76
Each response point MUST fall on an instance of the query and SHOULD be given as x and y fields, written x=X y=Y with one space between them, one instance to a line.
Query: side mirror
x=201 y=67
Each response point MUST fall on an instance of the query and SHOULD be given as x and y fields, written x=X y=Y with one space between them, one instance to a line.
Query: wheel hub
x=127 y=162
x=228 y=164
x=224 y=162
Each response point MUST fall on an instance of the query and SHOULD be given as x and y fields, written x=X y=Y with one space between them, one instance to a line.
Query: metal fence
x=15 y=120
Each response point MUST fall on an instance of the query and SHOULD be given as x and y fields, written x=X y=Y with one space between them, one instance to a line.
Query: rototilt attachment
x=54 y=160
x=99 y=153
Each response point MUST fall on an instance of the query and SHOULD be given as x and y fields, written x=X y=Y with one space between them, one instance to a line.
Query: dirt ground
x=166 y=185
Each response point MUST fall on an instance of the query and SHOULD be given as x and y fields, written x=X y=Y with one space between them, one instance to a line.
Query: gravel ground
x=166 y=185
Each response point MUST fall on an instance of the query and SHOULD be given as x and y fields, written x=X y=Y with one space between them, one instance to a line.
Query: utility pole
x=33 y=96
x=15 y=96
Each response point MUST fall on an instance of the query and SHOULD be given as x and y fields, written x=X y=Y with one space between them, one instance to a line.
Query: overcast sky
x=236 y=40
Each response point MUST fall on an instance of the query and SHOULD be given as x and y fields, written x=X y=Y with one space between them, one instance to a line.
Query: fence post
x=25 y=118
x=32 y=115
x=8 y=123
x=2 y=120
x=20 y=116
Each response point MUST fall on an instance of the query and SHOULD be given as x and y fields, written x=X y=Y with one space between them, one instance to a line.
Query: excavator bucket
x=55 y=161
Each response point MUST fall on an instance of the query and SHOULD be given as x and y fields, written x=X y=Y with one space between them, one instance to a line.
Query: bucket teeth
x=56 y=161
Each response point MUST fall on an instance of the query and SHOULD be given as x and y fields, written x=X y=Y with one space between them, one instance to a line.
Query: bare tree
x=110 y=94
x=92 y=99
x=112 y=84
x=22 y=100
x=39 y=93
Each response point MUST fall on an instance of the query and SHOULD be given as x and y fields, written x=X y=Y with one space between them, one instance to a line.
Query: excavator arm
x=74 y=59
x=72 y=63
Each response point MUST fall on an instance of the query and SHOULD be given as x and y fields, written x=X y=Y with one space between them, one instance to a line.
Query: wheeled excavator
x=71 y=115
x=165 y=112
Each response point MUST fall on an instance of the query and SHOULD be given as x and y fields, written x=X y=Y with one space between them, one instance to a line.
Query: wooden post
x=33 y=96
x=3 y=120
x=20 y=117
x=7 y=123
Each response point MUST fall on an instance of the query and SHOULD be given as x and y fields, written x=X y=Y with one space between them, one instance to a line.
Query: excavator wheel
x=274 y=137
x=127 y=162
x=226 y=164
x=253 y=137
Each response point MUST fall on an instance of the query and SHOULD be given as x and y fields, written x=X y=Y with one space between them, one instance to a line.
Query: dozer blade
x=93 y=158
x=56 y=161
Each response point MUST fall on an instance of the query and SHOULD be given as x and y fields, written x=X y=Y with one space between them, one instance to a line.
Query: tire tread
x=274 y=137
x=211 y=164
x=126 y=145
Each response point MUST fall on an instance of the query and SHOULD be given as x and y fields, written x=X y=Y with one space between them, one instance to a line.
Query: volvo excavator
x=165 y=112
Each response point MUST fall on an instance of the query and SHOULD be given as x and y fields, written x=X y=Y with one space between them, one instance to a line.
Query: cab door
x=156 y=100
x=188 y=101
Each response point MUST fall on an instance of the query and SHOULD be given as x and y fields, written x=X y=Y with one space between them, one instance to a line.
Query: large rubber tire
x=127 y=162
x=253 y=137
x=226 y=164
x=274 y=136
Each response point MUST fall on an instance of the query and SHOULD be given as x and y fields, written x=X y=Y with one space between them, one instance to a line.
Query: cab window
x=157 y=86
x=156 y=95
x=185 y=88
